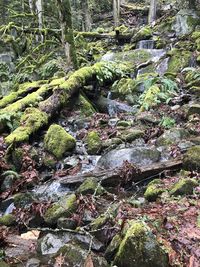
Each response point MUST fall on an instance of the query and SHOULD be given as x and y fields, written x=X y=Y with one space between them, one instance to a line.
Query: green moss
x=57 y=141
x=124 y=87
x=183 y=187
x=135 y=57
x=93 y=142
x=64 y=208
x=4 y=264
x=191 y=159
x=7 y=220
x=139 y=248
x=124 y=124
x=179 y=59
x=90 y=186
x=195 y=35
x=32 y=120
x=84 y=106
x=144 y=33
x=131 y=135
x=113 y=247
x=154 y=190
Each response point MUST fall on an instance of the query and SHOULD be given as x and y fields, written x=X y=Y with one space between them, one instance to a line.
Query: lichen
x=57 y=141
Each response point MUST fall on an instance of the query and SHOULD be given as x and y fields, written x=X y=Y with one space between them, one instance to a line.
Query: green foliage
x=9 y=120
x=49 y=69
x=167 y=122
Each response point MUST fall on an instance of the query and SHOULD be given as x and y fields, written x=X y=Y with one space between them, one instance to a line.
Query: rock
x=131 y=135
x=33 y=262
x=4 y=264
x=186 y=21
x=67 y=223
x=143 y=34
x=84 y=107
x=21 y=200
x=93 y=143
x=57 y=141
x=136 y=155
x=191 y=159
x=90 y=186
x=154 y=190
x=64 y=208
x=8 y=178
x=139 y=248
x=124 y=124
x=183 y=187
x=76 y=256
x=7 y=220
x=113 y=248
x=172 y=136
x=113 y=142
x=179 y=59
x=194 y=109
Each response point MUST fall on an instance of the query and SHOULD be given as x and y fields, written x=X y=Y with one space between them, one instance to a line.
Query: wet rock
x=136 y=155
x=140 y=248
x=131 y=135
x=154 y=190
x=183 y=187
x=64 y=208
x=33 y=262
x=93 y=143
x=7 y=220
x=76 y=256
x=113 y=142
x=57 y=141
x=172 y=136
x=191 y=159
x=90 y=186
x=124 y=124
x=67 y=223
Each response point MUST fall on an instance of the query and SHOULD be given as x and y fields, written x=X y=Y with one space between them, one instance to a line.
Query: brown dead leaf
x=89 y=262
x=60 y=259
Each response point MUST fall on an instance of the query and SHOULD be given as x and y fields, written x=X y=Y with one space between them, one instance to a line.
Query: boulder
x=183 y=187
x=139 y=248
x=136 y=155
x=154 y=190
x=191 y=159
x=194 y=109
x=93 y=143
x=57 y=141
x=90 y=186
x=172 y=136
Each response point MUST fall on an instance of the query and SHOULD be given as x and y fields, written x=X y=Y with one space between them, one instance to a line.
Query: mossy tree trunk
x=65 y=16
x=116 y=12
x=152 y=11
x=86 y=15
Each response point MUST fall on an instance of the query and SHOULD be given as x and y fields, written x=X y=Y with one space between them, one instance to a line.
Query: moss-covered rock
x=64 y=208
x=113 y=247
x=7 y=179
x=7 y=220
x=90 y=186
x=172 y=136
x=124 y=88
x=131 y=135
x=149 y=97
x=57 y=141
x=183 y=187
x=191 y=159
x=4 y=264
x=194 y=109
x=140 y=248
x=84 y=106
x=179 y=59
x=144 y=33
x=93 y=141
x=124 y=124
x=154 y=190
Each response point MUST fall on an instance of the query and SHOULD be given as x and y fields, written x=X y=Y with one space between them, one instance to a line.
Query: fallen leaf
x=89 y=262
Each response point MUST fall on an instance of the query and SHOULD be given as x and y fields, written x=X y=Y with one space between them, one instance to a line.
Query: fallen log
x=113 y=177
x=62 y=91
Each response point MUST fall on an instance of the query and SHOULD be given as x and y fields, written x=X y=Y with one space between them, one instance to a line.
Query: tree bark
x=152 y=11
x=64 y=10
x=116 y=12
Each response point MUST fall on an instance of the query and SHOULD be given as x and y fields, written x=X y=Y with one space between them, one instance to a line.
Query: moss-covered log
x=62 y=91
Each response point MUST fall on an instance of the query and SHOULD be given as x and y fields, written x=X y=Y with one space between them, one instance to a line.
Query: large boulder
x=136 y=155
x=183 y=187
x=172 y=136
x=57 y=141
x=139 y=248
x=191 y=159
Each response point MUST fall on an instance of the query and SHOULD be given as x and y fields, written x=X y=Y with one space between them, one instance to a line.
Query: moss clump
x=123 y=88
x=144 y=33
x=183 y=187
x=93 y=142
x=191 y=159
x=154 y=190
x=32 y=120
x=113 y=247
x=172 y=136
x=179 y=60
x=139 y=248
x=84 y=106
x=7 y=220
x=124 y=124
x=64 y=208
x=89 y=186
x=57 y=141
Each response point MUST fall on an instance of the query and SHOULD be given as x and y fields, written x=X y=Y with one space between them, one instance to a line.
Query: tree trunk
x=152 y=11
x=39 y=8
x=86 y=15
x=64 y=9
x=116 y=12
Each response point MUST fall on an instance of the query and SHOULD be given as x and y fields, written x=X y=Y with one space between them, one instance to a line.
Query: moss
x=149 y=98
x=7 y=220
x=135 y=57
x=124 y=124
x=113 y=247
x=183 y=187
x=154 y=190
x=4 y=264
x=179 y=59
x=144 y=33
x=139 y=248
x=16 y=158
x=172 y=136
x=131 y=135
x=84 y=106
x=194 y=109
x=90 y=186
x=57 y=141
x=32 y=120
x=21 y=200
x=93 y=142
x=195 y=35
x=191 y=159
x=64 y=208
x=124 y=87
